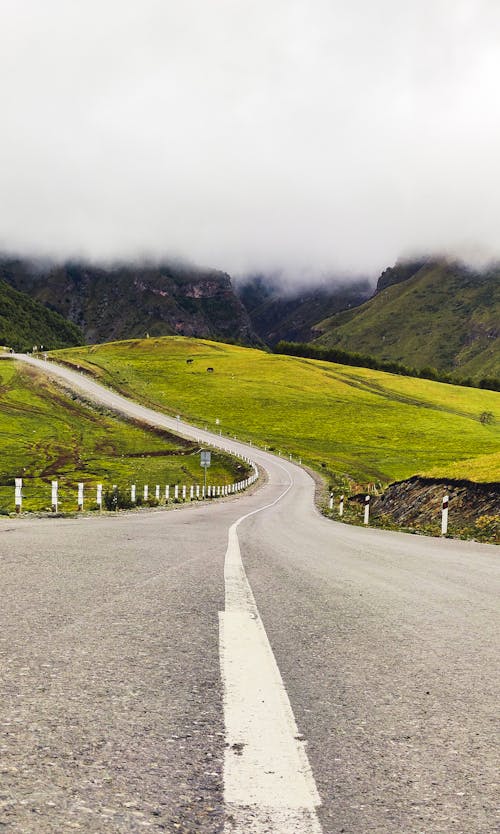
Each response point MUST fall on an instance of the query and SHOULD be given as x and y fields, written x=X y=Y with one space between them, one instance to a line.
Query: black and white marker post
x=444 y=516
x=331 y=500
x=341 y=505
x=367 y=509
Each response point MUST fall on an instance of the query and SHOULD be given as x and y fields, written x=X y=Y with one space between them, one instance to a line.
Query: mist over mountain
x=309 y=137
x=282 y=310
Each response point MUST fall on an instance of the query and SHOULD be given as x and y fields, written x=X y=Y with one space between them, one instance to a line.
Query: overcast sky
x=313 y=136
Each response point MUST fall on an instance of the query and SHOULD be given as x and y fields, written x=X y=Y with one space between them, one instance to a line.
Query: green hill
x=434 y=314
x=25 y=322
x=47 y=434
x=369 y=425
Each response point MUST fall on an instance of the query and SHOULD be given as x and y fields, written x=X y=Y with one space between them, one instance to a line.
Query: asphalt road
x=115 y=716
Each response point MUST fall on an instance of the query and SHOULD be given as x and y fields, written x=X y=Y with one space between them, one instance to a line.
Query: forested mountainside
x=25 y=322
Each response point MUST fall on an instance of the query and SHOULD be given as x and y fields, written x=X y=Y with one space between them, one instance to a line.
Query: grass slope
x=46 y=434
x=370 y=425
x=442 y=316
x=25 y=322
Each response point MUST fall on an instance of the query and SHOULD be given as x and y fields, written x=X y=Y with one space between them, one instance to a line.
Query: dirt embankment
x=418 y=502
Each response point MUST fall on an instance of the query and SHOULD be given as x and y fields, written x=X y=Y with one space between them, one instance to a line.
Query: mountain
x=433 y=313
x=126 y=301
x=277 y=312
x=25 y=322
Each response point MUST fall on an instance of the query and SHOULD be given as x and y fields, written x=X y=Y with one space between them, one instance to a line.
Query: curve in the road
x=268 y=781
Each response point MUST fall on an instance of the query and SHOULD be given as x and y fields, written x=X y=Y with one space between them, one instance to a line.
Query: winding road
x=246 y=667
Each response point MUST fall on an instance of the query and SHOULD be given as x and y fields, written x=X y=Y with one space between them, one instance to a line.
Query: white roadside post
x=197 y=491
x=55 y=501
x=341 y=505
x=184 y=492
x=146 y=491
x=80 y=497
x=18 y=493
x=444 y=516
x=99 y=497
x=205 y=462
x=167 y=494
x=331 y=500
x=157 y=492
x=191 y=493
x=176 y=492
x=367 y=509
x=132 y=493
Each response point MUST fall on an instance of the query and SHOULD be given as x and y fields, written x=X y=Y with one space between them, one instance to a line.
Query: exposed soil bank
x=417 y=503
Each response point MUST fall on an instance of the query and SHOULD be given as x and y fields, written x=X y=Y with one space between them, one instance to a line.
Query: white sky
x=308 y=135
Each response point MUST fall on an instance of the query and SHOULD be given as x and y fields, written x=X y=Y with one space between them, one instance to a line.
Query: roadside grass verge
x=357 y=426
x=48 y=434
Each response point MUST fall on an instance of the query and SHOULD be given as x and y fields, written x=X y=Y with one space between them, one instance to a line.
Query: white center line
x=268 y=782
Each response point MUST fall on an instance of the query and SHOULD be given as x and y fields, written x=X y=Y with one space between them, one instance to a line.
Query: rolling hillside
x=47 y=434
x=368 y=425
x=433 y=314
x=25 y=322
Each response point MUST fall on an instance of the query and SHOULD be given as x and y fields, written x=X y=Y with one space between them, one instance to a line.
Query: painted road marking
x=268 y=783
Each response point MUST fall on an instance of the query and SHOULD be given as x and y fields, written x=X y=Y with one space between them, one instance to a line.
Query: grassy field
x=48 y=435
x=485 y=469
x=368 y=425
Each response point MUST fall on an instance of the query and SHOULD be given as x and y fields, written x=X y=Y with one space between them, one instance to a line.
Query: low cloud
x=307 y=138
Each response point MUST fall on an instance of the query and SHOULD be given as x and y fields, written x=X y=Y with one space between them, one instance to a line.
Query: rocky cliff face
x=122 y=302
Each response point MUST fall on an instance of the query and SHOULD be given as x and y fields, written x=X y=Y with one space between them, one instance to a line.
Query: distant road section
x=247 y=666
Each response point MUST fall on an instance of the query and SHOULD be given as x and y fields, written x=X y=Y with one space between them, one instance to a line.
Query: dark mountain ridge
x=127 y=301
x=279 y=312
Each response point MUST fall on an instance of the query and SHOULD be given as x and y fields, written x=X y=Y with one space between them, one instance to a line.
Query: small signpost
x=205 y=461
